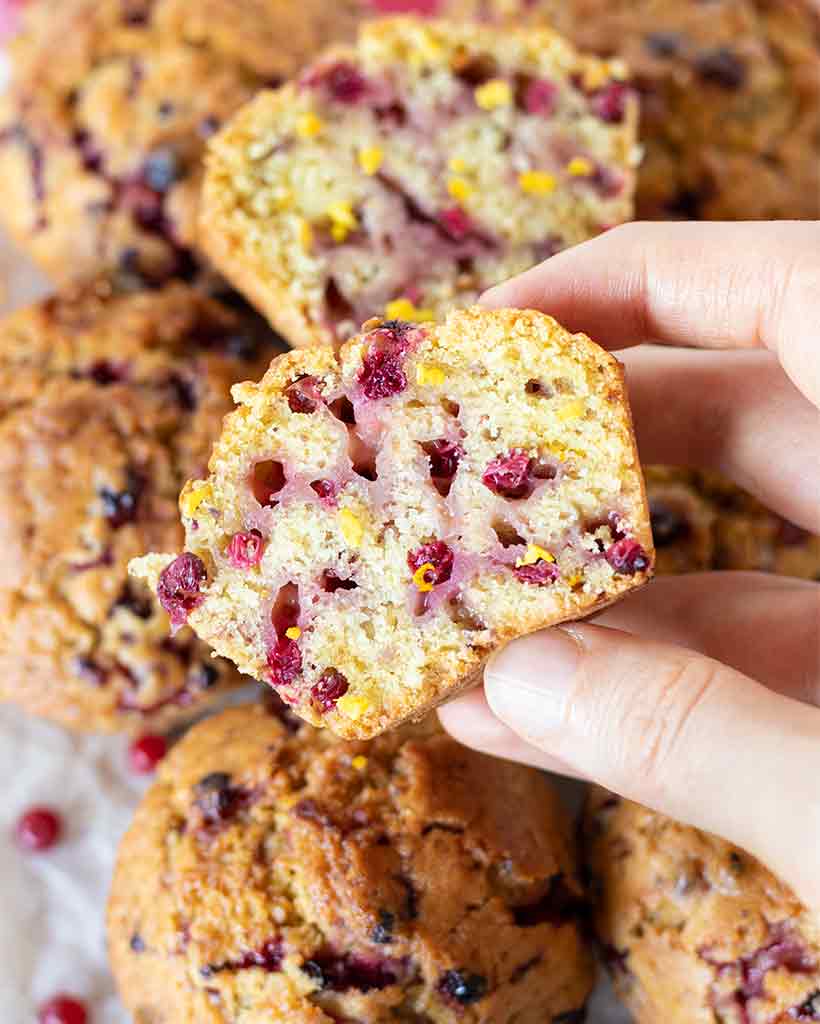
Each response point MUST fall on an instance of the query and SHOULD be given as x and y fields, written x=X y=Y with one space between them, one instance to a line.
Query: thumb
x=674 y=730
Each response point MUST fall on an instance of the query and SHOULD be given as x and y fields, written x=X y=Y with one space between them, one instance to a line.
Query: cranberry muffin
x=110 y=106
x=108 y=402
x=405 y=175
x=683 y=521
x=275 y=873
x=694 y=930
x=376 y=522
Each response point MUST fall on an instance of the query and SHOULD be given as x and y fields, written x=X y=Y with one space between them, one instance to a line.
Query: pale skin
x=698 y=695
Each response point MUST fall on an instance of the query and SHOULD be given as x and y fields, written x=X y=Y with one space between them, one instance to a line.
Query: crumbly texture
x=694 y=930
x=730 y=98
x=111 y=103
x=407 y=174
x=701 y=521
x=276 y=874
x=107 y=403
x=376 y=523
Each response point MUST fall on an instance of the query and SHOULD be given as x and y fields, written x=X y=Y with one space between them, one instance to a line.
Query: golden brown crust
x=406 y=877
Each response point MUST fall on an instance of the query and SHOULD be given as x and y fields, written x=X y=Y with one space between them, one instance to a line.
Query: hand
x=698 y=695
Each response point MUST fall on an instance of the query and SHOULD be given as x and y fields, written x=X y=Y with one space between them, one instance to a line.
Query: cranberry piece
x=669 y=525
x=38 y=829
x=179 y=586
x=540 y=97
x=161 y=169
x=267 y=479
x=663 y=44
x=144 y=205
x=539 y=574
x=456 y=223
x=327 y=491
x=437 y=554
x=120 y=507
x=218 y=800
x=609 y=103
x=510 y=475
x=627 y=557
x=246 y=549
x=809 y=1010
x=145 y=753
x=331 y=582
x=721 y=67
x=284 y=662
x=304 y=395
x=331 y=686
x=62 y=1010
x=381 y=375
x=344 y=82
x=462 y=986
x=345 y=972
x=426 y=8
x=382 y=934
x=444 y=458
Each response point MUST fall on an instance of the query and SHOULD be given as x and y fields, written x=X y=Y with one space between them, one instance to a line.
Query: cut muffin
x=275 y=874
x=411 y=172
x=375 y=524
x=694 y=930
x=108 y=401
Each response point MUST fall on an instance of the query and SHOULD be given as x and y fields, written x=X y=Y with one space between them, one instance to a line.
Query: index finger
x=709 y=285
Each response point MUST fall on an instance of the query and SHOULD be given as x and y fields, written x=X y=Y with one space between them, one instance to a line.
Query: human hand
x=698 y=696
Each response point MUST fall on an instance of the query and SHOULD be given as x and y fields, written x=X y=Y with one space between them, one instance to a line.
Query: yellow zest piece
x=579 y=167
x=595 y=76
x=342 y=220
x=537 y=183
x=371 y=159
x=457 y=165
x=571 y=410
x=459 y=188
x=305 y=233
x=293 y=633
x=429 y=373
x=359 y=762
x=190 y=501
x=493 y=94
x=352 y=706
x=284 y=199
x=403 y=309
x=557 y=449
x=351 y=527
x=575 y=579
x=532 y=555
x=420 y=577
x=309 y=126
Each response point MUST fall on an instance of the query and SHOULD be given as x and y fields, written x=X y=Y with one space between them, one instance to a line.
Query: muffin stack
x=335 y=164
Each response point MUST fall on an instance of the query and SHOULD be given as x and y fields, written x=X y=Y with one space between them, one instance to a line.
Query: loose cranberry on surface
x=609 y=103
x=627 y=557
x=510 y=475
x=330 y=687
x=245 y=550
x=38 y=829
x=438 y=556
x=62 y=1010
x=179 y=586
x=146 y=752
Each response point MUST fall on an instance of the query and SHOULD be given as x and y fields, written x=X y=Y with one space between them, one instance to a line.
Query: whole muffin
x=683 y=521
x=274 y=873
x=111 y=102
x=109 y=402
x=694 y=930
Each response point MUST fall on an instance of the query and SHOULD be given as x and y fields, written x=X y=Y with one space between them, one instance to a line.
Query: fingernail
x=528 y=682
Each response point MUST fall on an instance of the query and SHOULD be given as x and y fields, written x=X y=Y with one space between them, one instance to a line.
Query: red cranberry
x=62 y=1010
x=539 y=574
x=144 y=205
x=444 y=458
x=455 y=222
x=540 y=97
x=327 y=490
x=179 y=586
x=344 y=82
x=462 y=987
x=721 y=67
x=426 y=8
x=627 y=557
x=510 y=476
x=145 y=753
x=304 y=395
x=609 y=103
x=246 y=549
x=284 y=662
x=331 y=686
x=381 y=375
x=267 y=480
x=38 y=829
x=437 y=554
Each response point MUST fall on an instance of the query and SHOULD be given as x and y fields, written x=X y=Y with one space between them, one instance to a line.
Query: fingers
x=675 y=731
x=767 y=627
x=735 y=412
x=709 y=285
